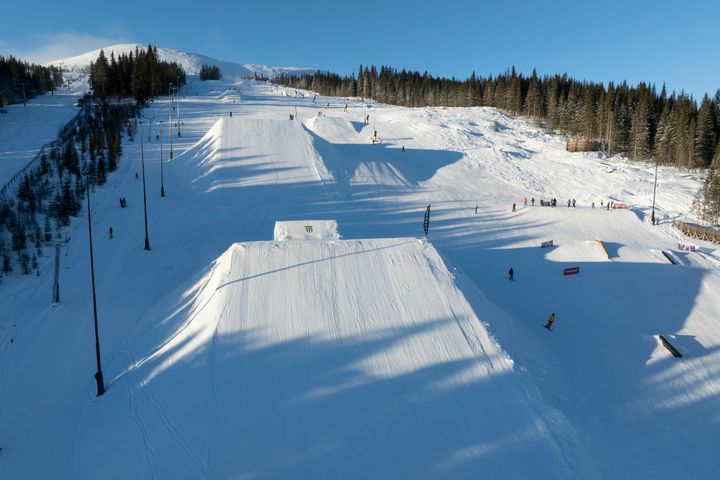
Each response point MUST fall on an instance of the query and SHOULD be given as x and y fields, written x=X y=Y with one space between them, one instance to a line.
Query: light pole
x=98 y=374
x=142 y=160
x=170 y=121
x=177 y=102
x=162 y=181
x=652 y=216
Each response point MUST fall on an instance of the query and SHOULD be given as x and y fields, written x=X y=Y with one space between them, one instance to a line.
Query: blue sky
x=677 y=42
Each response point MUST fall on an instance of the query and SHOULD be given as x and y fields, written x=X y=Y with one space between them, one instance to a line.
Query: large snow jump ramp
x=321 y=359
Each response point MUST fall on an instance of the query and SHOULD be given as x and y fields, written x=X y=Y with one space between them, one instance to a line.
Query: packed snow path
x=601 y=397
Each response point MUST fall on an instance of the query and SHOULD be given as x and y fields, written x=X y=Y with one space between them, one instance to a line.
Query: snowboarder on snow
x=511 y=273
x=513 y=207
x=550 y=321
x=593 y=204
x=573 y=203
x=532 y=201
x=110 y=232
x=525 y=201
x=568 y=202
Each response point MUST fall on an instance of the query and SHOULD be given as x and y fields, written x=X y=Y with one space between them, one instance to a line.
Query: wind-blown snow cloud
x=49 y=47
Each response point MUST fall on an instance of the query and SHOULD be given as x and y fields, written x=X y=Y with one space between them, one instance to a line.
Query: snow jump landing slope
x=309 y=359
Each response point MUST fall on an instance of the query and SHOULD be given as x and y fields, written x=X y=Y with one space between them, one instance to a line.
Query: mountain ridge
x=190 y=61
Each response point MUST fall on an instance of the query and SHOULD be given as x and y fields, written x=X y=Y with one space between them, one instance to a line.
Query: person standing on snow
x=513 y=207
x=550 y=321
x=525 y=201
x=532 y=201
x=511 y=273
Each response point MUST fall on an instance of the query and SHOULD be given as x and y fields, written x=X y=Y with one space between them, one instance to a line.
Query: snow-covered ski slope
x=26 y=128
x=191 y=62
x=228 y=355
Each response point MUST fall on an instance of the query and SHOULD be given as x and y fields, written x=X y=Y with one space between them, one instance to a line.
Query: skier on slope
x=550 y=321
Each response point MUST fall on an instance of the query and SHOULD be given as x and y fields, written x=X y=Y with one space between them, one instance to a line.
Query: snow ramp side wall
x=248 y=151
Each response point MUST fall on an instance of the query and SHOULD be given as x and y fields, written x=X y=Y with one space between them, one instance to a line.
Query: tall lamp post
x=170 y=121
x=98 y=374
x=162 y=180
x=652 y=216
x=177 y=102
x=142 y=159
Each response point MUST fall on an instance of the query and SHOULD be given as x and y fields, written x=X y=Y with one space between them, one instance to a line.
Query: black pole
x=652 y=216
x=177 y=102
x=162 y=181
x=170 y=123
x=99 y=374
x=142 y=159
x=426 y=221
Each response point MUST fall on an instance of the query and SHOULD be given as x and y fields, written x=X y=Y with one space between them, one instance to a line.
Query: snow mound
x=306 y=230
x=358 y=359
x=249 y=154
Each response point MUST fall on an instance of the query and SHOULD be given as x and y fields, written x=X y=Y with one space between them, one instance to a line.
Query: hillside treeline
x=210 y=72
x=636 y=121
x=139 y=74
x=16 y=74
x=36 y=207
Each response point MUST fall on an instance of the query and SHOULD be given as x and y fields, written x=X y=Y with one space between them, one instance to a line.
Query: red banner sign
x=620 y=205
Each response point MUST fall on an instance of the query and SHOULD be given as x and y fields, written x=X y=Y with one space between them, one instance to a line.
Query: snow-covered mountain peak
x=191 y=62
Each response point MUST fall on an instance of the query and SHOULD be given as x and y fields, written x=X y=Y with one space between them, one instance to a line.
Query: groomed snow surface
x=244 y=346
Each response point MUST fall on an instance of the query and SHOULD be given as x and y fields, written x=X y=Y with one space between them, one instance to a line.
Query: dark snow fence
x=671 y=349
x=694 y=230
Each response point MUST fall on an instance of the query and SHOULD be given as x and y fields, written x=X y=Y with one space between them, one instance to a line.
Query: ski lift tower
x=56 y=277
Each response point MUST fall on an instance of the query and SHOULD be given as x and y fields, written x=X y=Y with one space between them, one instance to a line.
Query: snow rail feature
x=669 y=257
x=669 y=346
